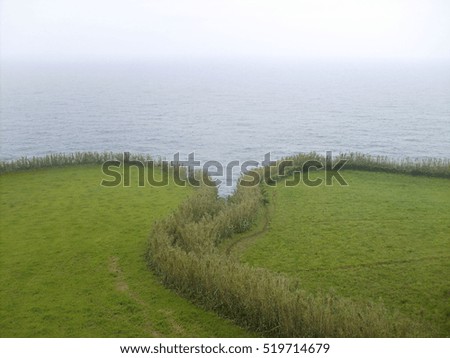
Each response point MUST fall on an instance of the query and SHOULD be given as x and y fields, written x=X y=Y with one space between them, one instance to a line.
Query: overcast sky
x=141 y=29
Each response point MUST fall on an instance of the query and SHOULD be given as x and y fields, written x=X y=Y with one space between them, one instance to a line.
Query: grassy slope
x=72 y=264
x=384 y=236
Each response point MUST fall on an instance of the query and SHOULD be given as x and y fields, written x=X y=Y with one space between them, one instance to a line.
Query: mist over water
x=226 y=111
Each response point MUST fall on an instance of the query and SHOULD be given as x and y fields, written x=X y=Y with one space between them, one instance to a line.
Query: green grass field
x=72 y=253
x=384 y=237
x=72 y=260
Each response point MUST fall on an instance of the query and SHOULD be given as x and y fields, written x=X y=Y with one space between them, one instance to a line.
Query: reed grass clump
x=432 y=167
x=63 y=159
x=183 y=251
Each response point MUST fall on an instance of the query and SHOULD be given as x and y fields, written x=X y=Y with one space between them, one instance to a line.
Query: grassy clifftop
x=360 y=260
x=383 y=237
x=72 y=260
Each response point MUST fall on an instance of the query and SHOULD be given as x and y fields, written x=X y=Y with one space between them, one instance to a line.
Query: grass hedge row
x=183 y=252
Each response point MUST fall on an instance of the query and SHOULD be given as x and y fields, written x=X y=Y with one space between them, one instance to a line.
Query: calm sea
x=226 y=111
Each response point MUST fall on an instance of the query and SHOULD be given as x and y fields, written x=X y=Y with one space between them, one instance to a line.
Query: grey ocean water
x=226 y=111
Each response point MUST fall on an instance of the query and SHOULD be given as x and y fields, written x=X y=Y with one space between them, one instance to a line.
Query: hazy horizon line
x=222 y=59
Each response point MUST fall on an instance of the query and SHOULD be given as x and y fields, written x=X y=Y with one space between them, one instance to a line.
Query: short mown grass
x=366 y=260
x=72 y=260
x=385 y=237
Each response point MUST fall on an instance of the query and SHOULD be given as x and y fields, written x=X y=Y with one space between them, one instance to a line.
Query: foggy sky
x=59 y=30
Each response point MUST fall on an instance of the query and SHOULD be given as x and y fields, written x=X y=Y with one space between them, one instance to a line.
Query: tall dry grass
x=183 y=251
x=63 y=159
x=432 y=167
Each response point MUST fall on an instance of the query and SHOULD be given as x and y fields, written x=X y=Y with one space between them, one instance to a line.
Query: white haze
x=79 y=30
